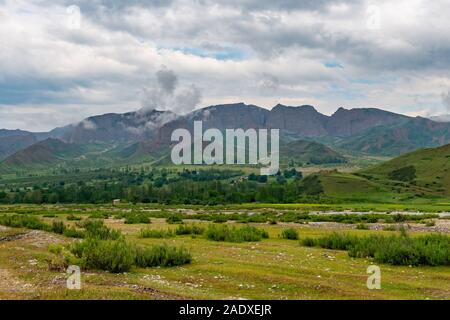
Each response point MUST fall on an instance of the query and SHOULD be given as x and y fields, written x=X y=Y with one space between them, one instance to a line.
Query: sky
x=64 y=60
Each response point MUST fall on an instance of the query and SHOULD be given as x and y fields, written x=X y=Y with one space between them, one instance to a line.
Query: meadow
x=250 y=252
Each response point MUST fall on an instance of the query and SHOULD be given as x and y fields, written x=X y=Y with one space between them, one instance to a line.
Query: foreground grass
x=272 y=268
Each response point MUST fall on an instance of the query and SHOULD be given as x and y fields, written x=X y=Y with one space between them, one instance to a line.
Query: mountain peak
x=305 y=107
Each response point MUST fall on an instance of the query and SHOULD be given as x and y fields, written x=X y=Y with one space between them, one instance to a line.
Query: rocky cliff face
x=303 y=121
x=361 y=130
x=346 y=123
x=113 y=127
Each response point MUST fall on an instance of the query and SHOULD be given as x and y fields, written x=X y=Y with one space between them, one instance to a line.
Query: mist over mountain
x=441 y=118
x=147 y=132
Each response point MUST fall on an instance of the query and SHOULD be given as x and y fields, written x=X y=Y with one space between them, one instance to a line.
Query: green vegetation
x=192 y=229
x=406 y=174
x=362 y=226
x=290 y=234
x=72 y=217
x=271 y=269
x=428 y=250
x=233 y=234
x=137 y=219
x=24 y=221
x=162 y=256
x=113 y=256
x=173 y=219
x=96 y=229
x=119 y=256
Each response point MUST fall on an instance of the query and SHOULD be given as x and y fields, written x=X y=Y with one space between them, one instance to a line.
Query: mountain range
x=145 y=134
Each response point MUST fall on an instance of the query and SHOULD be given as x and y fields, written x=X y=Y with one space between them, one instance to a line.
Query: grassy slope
x=432 y=167
x=373 y=184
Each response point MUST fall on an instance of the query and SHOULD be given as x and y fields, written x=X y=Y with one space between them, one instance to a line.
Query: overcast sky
x=61 y=61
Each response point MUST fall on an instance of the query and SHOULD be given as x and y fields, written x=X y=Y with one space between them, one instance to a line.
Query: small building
x=116 y=202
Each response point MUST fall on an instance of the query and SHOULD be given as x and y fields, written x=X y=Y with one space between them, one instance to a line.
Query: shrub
x=149 y=233
x=290 y=234
x=362 y=226
x=173 y=219
x=113 y=256
x=335 y=241
x=189 y=229
x=431 y=250
x=119 y=256
x=24 y=221
x=71 y=217
x=308 y=242
x=162 y=255
x=406 y=174
x=233 y=234
x=137 y=219
x=97 y=229
x=430 y=223
x=73 y=233
x=220 y=218
x=62 y=258
x=99 y=215
x=58 y=227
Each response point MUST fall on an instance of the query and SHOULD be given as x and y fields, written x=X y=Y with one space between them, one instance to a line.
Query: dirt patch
x=11 y=284
x=41 y=239
x=153 y=293
x=13 y=237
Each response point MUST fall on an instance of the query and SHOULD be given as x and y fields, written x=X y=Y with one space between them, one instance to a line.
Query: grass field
x=273 y=268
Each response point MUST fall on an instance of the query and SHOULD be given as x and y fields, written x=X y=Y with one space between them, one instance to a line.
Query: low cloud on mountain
x=294 y=52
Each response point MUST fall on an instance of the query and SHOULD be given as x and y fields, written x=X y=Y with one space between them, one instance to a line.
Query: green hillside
x=397 y=139
x=43 y=153
x=426 y=168
x=308 y=152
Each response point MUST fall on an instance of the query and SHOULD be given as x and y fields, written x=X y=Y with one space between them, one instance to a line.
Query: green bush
x=97 y=229
x=73 y=233
x=189 y=229
x=219 y=218
x=362 y=226
x=406 y=174
x=431 y=250
x=24 y=221
x=289 y=234
x=118 y=256
x=233 y=234
x=72 y=217
x=137 y=219
x=114 y=256
x=335 y=241
x=58 y=227
x=173 y=219
x=149 y=233
x=162 y=255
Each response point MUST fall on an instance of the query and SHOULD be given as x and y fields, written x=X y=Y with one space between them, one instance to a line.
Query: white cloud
x=260 y=52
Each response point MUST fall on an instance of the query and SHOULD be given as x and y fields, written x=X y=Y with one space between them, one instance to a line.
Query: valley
x=354 y=189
